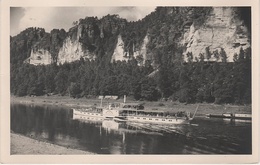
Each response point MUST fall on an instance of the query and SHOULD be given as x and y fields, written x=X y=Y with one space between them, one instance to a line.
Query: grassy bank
x=22 y=145
x=56 y=100
x=66 y=101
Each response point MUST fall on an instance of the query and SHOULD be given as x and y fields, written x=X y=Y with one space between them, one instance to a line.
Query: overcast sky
x=62 y=17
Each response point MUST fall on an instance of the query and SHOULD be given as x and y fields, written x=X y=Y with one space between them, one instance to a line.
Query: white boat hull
x=114 y=114
x=88 y=118
x=157 y=120
x=87 y=113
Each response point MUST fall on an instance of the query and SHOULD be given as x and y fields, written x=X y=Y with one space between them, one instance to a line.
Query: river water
x=202 y=136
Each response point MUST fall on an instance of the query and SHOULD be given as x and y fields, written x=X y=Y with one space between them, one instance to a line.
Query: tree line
x=190 y=82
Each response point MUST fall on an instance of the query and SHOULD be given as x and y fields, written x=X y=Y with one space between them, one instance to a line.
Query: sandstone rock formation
x=220 y=30
x=40 y=57
x=138 y=53
x=119 y=53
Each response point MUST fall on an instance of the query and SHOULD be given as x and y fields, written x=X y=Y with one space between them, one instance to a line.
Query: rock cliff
x=64 y=49
x=167 y=34
x=39 y=57
x=72 y=49
x=141 y=53
x=220 y=30
x=121 y=54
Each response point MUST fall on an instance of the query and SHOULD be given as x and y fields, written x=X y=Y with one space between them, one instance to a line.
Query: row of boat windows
x=90 y=118
x=137 y=117
x=93 y=114
x=152 y=119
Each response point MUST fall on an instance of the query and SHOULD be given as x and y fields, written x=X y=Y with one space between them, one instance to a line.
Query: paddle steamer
x=133 y=112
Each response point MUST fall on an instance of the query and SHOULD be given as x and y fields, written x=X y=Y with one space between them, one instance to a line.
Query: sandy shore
x=204 y=108
x=22 y=145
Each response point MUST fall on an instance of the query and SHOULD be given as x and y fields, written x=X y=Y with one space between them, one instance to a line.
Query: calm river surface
x=203 y=136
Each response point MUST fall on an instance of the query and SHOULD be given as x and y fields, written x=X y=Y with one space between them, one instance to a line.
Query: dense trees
x=219 y=82
x=80 y=78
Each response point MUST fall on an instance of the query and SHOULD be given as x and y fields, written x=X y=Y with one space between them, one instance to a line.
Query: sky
x=63 y=17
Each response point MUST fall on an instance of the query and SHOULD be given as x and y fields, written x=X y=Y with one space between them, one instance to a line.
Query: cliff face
x=174 y=32
x=141 y=53
x=221 y=30
x=39 y=57
x=72 y=49
x=121 y=54
x=65 y=50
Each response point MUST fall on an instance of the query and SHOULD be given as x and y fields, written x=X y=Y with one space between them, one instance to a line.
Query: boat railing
x=154 y=116
x=91 y=110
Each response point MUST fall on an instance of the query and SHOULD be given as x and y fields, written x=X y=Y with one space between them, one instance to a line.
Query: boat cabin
x=133 y=106
x=125 y=106
x=136 y=112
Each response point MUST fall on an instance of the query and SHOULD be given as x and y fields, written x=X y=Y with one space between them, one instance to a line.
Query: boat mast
x=195 y=112
x=124 y=99
x=101 y=102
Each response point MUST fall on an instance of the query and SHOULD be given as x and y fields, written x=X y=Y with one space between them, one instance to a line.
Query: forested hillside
x=162 y=72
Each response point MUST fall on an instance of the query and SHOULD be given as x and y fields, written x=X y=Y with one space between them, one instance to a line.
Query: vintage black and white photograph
x=131 y=80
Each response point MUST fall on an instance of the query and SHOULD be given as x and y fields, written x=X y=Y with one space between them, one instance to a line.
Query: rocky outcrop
x=194 y=32
x=39 y=57
x=138 y=53
x=119 y=53
x=141 y=54
x=72 y=51
x=220 y=30
x=62 y=49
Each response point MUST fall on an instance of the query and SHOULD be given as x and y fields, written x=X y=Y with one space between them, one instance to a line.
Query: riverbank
x=23 y=145
x=65 y=101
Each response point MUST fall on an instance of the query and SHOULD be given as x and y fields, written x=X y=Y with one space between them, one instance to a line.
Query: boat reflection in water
x=119 y=130
x=121 y=127
x=106 y=123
